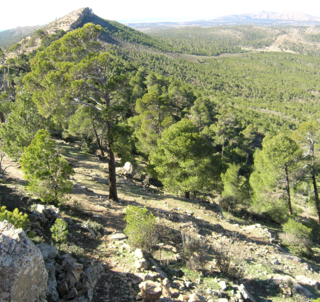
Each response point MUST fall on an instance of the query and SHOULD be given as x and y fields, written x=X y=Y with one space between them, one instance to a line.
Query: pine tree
x=273 y=166
x=47 y=172
x=183 y=158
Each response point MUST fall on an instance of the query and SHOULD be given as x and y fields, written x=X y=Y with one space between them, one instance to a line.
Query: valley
x=175 y=163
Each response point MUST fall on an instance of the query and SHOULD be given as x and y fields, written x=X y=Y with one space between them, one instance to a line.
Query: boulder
x=118 y=236
x=244 y=294
x=52 y=293
x=166 y=292
x=126 y=170
x=302 y=291
x=141 y=254
x=23 y=276
x=141 y=264
x=93 y=272
x=150 y=291
x=49 y=252
x=45 y=213
x=196 y=298
x=308 y=281
x=223 y=285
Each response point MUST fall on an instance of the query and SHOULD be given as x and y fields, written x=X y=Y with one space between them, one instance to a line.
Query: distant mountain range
x=260 y=18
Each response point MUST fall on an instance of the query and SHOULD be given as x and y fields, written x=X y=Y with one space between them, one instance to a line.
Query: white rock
x=223 y=285
x=196 y=298
x=150 y=290
x=308 y=281
x=139 y=253
x=141 y=264
x=23 y=276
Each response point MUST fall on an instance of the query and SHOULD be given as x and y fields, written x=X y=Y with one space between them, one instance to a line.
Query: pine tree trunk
x=187 y=195
x=112 y=169
x=315 y=189
x=98 y=140
x=288 y=191
x=2 y=118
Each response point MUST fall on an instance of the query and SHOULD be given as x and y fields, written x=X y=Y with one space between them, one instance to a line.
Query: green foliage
x=276 y=161
x=16 y=218
x=47 y=172
x=40 y=33
x=298 y=237
x=21 y=126
x=235 y=185
x=96 y=226
x=59 y=231
x=140 y=227
x=182 y=159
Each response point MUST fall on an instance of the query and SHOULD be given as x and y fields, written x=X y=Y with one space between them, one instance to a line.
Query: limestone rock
x=126 y=170
x=118 y=236
x=150 y=290
x=52 y=293
x=93 y=272
x=23 y=276
x=166 y=288
x=140 y=254
x=301 y=290
x=196 y=298
x=223 y=285
x=45 y=212
x=308 y=281
x=48 y=251
x=244 y=294
x=141 y=264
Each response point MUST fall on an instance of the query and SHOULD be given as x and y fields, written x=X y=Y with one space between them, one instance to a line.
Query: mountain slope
x=12 y=36
x=113 y=32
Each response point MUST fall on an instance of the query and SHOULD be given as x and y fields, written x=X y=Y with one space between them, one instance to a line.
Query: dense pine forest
x=226 y=113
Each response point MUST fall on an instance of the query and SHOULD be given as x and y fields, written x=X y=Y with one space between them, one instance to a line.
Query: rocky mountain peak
x=70 y=21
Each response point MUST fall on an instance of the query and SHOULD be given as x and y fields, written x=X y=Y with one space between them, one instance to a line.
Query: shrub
x=47 y=172
x=229 y=266
x=140 y=227
x=19 y=220
x=194 y=250
x=59 y=230
x=297 y=237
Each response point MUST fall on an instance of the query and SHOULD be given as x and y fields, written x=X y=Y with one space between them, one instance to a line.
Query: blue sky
x=33 y=12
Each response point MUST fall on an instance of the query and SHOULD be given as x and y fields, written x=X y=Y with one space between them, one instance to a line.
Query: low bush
x=16 y=218
x=195 y=250
x=140 y=227
x=59 y=231
x=297 y=237
x=227 y=264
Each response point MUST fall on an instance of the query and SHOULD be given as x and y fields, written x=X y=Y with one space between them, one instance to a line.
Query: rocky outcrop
x=70 y=21
x=69 y=280
x=150 y=291
x=126 y=170
x=23 y=276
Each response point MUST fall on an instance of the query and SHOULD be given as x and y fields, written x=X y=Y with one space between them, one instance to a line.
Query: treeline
x=217 y=40
x=204 y=129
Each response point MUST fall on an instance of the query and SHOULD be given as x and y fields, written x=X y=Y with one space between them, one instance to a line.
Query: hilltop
x=113 y=32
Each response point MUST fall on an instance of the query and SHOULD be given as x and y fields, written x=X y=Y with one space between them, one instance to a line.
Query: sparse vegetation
x=297 y=237
x=140 y=227
x=59 y=231
x=195 y=250
x=48 y=173
x=16 y=218
x=228 y=132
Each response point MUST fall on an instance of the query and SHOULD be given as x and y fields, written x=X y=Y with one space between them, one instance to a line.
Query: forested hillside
x=222 y=115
